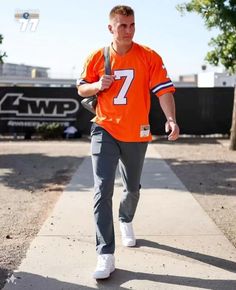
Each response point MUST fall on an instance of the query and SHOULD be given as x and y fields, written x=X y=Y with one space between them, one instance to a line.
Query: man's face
x=122 y=27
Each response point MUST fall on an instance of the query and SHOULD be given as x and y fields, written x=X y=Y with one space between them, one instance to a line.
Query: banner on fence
x=199 y=110
x=24 y=109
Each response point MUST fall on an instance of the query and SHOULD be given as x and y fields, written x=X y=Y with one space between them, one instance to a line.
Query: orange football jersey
x=123 y=109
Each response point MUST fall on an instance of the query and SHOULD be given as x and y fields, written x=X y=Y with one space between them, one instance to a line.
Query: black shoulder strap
x=106 y=53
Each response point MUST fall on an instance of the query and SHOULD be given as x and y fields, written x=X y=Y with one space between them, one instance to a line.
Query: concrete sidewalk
x=178 y=245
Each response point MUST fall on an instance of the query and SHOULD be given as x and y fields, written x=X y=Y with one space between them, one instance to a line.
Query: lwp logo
x=28 y=20
x=17 y=105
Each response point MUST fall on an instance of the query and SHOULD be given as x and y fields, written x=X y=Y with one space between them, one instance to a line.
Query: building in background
x=215 y=79
x=26 y=75
x=187 y=81
x=207 y=80
x=22 y=70
x=12 y=74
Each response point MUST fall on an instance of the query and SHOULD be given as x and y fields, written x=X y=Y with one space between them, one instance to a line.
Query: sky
x=69 y=30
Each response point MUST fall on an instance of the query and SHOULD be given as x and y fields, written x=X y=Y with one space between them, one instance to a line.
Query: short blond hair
x=121 y=10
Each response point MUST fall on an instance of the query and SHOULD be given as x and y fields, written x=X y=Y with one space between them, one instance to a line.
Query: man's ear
x=110 y=28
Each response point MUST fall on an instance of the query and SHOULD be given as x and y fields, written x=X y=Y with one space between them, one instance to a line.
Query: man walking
x=120 y=132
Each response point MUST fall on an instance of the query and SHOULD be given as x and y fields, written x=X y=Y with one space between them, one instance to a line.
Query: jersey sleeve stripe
x=161 y=86
x=80 y=82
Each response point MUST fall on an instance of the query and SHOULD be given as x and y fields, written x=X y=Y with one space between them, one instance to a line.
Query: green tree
x=2 y=54
x=220 y=14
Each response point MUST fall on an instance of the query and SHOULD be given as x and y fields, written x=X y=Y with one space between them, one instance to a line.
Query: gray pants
x=107 y=152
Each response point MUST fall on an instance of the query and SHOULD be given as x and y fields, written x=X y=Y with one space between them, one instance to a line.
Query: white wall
x=213 y=79
x=206 y=80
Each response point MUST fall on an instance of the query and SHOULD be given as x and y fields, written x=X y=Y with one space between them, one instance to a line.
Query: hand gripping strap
x=90 y=103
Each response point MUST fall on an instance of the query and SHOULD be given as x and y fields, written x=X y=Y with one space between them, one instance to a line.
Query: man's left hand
x=174 y=128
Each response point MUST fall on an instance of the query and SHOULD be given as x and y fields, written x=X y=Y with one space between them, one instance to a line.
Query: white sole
x=97 y=277
x=129 y=244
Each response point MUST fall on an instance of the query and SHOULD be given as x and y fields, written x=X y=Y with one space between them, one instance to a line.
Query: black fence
x=23 y=109
x=199 y=110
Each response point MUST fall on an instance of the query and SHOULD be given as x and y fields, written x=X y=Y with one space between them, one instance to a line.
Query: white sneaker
x=105 y=266
x=127 y=233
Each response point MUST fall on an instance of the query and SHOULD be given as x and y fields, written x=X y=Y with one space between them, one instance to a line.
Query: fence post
x=232 y=144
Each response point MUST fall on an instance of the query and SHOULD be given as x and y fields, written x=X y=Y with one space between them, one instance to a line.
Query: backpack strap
x=106 y=53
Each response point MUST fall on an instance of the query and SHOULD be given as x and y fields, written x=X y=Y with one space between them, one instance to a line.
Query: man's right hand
x=90 y=89
x=105 y=82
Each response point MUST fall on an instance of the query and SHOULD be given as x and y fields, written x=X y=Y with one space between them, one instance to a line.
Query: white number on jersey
x=128 y=74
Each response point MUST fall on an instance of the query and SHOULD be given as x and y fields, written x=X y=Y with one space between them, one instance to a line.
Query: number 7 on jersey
x=128 y=74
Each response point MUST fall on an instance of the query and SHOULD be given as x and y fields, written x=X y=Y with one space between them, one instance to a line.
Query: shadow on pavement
x=189 y=140
x=207 y=259
x=122 y=276
x=198 y=176
x=4 y=274
x=40 y=172
x=28 y=281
